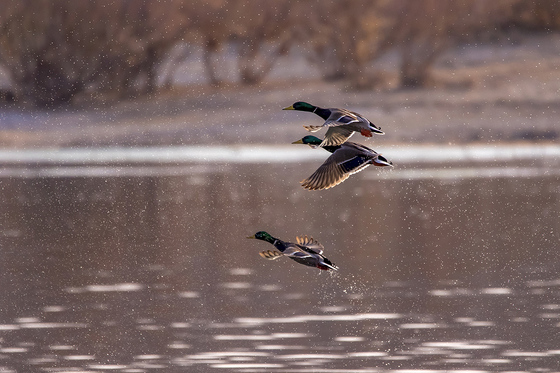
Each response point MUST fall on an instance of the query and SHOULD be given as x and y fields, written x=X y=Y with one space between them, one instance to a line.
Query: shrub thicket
x=55 y=49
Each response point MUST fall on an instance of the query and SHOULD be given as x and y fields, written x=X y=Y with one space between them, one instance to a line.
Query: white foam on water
x=79 y=357
x=280 y=347
x=73 y=159
x=316 y=369
x=246 y=366
x=226 y=354
x=458 y=173
x=543 y=283
x=189 y=294
x=276 y=153
x=291 y=335
x=13 y=350
x=178 y=345
x=421 y=326
x=240 y=271
x=148 y=357
x=125 y=287
x=27 y=319
x=450 y=292
x=62 y=347
x=497 y=291
x=105 y=171
x=236 y=285
x=8 y=327
x=481 y=323
x=251 y=337
x=107 y=366
x=517 y=353
x=494 y=361
x=459 y=345
x=311 y=356
x=549 y=315
x=52 y=325
x=439 y=371
x=313 y=318
x=349 y=339
x=367 y=354
x=270 y=287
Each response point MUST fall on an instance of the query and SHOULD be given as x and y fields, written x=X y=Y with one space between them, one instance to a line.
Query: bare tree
x=423 y=29
x=259 y=31
x=210 y=31
x=54 y=49
x=266 y=34
x=537 y=14
x=346 y=36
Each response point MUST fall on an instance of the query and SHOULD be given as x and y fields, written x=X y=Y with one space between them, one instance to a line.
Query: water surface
x=139 y=266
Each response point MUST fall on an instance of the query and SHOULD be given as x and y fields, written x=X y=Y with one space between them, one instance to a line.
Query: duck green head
x=301 y=106
x=309 y=140
x=264 y=236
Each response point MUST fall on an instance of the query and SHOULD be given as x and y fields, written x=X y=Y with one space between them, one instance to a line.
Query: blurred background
x=148 y=72
x=142 y=141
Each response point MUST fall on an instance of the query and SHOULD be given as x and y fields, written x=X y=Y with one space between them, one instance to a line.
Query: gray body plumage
x=341 y=125
x=306 y=251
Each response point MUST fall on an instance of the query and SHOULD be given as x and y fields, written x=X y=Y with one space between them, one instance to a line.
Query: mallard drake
x=306 y=251
x=346 y=159
x=341 y=123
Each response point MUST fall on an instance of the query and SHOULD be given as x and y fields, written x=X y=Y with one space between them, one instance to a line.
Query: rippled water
x=141 y=267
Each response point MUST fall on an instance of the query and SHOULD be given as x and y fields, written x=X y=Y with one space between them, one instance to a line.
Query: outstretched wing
x=310 y=244
x=326 y=176
x=336 y=136
x=345 y=161
x=271 y=254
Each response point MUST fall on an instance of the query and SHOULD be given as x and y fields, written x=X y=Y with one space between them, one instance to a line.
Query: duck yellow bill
x=291 y=107
x=253 y=236
x=298 y=142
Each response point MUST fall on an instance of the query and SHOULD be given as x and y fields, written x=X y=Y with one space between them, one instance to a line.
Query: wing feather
x=345 y=161
x=310 y=244
x=326 y=176
x=336 y=136
x=271 y=254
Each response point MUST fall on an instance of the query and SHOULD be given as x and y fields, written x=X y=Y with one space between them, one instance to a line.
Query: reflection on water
x=146 y=268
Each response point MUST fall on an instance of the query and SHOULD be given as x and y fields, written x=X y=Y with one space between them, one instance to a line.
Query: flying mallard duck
x=306 y=251
x=346 y=159
x=341 y=123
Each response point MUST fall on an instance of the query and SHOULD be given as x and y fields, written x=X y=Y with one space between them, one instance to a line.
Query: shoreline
x=481 y=94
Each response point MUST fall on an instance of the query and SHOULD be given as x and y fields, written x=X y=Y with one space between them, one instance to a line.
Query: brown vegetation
x=54 y=50
x=423 y=29
x=537 y=14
